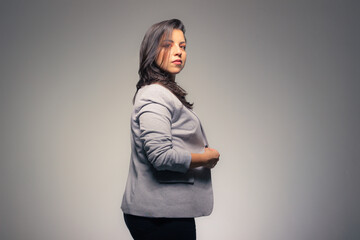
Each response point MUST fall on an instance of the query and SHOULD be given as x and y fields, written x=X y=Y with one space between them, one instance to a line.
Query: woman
x=169 y=182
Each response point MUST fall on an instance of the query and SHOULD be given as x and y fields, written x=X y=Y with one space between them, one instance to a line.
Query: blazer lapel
x=206 y=143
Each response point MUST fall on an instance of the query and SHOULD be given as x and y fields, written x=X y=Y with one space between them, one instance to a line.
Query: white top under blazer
x=160 y=183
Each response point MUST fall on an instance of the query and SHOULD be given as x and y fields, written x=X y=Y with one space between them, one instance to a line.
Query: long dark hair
x=149 y=71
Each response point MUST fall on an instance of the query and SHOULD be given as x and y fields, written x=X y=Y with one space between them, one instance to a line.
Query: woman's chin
x=174 y=71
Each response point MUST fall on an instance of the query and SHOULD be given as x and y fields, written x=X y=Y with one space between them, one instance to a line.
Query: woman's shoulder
x=155 y=89
x=156 y=93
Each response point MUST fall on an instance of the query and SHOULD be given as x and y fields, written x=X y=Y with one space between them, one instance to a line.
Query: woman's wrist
x=197 y=160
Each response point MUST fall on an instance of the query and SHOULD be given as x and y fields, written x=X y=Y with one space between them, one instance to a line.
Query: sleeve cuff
x=185 y=158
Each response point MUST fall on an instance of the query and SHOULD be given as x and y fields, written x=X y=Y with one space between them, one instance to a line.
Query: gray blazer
x=164 y=133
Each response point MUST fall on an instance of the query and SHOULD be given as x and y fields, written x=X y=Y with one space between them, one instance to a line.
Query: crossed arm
x=155 y=127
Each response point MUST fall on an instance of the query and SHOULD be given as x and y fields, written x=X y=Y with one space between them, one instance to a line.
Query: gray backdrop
x=276 y=84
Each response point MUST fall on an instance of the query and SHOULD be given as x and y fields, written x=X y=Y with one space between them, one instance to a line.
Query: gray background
x=276 y=84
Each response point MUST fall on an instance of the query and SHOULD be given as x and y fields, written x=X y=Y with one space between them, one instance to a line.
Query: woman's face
x=172 y=55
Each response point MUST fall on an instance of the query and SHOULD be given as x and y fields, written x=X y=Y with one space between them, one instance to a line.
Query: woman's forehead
x=176 y=35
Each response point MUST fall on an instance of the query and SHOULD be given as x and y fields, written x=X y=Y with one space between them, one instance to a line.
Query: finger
x=214 y=164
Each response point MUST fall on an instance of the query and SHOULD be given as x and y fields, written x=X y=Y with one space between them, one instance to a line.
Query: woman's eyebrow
x=168 y=40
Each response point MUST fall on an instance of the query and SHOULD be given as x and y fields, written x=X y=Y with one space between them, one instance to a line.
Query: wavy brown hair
x=149 y=71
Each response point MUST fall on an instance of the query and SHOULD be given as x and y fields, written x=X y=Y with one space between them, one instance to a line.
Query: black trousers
x=144 y=228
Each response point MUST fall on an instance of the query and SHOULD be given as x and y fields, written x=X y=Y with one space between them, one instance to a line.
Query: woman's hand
x=212 y=157
x=208 y=159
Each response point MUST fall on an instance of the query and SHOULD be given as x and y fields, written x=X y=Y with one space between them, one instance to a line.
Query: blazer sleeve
x=155 y=115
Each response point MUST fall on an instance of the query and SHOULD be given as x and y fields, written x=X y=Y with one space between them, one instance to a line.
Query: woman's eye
x=183 y=47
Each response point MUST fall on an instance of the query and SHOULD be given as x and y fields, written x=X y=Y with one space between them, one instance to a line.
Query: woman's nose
x=177 y=50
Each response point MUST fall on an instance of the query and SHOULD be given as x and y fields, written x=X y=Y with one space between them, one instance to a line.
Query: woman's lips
x=177 y=61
